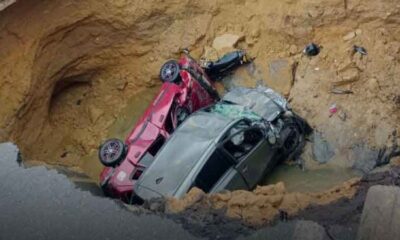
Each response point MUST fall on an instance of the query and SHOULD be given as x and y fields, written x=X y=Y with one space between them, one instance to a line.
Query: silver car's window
x=243 y=142
x=216 y=166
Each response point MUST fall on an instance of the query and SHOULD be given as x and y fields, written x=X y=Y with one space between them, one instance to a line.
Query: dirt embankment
x=262 y=205
x=69 y=68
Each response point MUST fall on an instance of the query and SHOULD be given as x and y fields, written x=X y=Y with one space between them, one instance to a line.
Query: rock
x=322 y=151
x=381 y=214
x=122 y=86
x=349 y=36
x=315 y=12
x=278 y=188
x=194 y=196
x=94 y=114
x=358 y=32
x=351 y=74
x=210 y=54
x=280 y=76
x=3 y=135
x=348 y=76
x=255 y=33
x=293 y=50
x=242 y=199
x=5 y=3
x=294 y=230
x=365 y=159
x=373 y=85
x=226 y=41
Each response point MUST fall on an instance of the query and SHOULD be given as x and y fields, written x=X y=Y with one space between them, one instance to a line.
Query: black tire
x=170 y=72
x=294 y=143
x=112 y=152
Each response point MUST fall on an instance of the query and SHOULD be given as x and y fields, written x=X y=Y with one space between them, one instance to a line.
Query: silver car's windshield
x=262 y=100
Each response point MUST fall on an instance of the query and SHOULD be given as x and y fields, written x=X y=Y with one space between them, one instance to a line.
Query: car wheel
x=112 y=152
x=169 y=72
x=295 y=140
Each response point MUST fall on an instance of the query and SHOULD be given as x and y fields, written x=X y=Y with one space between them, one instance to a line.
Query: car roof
x=261 y=100
x=183 y=150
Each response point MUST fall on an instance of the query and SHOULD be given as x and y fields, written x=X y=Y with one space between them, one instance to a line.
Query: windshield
x=233 y=111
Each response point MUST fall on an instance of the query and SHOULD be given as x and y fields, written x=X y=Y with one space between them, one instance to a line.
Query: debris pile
x=262 y=205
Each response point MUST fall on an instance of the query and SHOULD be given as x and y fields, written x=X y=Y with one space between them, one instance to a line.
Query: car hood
x=262 y=100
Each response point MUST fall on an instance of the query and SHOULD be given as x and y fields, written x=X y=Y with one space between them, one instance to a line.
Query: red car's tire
x=112 y=152
x=170 y=72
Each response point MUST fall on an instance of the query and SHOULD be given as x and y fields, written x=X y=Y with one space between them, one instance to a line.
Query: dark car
x=230 y=145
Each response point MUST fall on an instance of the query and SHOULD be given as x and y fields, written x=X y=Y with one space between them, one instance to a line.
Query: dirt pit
x=74 y=73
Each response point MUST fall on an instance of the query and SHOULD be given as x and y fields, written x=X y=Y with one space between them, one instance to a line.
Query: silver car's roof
x=180 y=154
x=262 y=100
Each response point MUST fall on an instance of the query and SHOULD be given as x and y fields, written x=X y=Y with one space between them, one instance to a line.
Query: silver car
x=230 y=145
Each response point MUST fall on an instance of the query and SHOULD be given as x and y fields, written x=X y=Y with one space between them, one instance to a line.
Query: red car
x=186 y=88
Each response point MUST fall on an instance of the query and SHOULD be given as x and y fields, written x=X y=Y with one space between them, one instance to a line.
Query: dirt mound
x=262 y=205
x=69 y=68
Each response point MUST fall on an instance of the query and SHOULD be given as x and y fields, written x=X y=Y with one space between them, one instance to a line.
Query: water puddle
x=316 y=180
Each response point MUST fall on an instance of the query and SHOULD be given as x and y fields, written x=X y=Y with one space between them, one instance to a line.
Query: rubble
x=262 y=205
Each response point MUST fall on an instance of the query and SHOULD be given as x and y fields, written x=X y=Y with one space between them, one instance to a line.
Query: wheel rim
x=169 y=71
x=111 y=151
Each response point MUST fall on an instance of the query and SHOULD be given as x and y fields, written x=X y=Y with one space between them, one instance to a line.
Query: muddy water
x=126 y=120
x=316 y=180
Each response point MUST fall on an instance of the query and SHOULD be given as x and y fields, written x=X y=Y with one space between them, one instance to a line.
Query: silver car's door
x=252 y=152
x=253 y=166
x=232 y=180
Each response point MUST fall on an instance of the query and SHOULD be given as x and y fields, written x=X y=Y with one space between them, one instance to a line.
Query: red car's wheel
x=112 y=152
x=170 y=71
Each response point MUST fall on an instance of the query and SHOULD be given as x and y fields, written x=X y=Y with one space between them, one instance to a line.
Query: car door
x=251 y=151
x=232 y=178
x=217 y=167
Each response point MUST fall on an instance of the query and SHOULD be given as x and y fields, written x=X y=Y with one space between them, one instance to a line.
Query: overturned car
x=187 y=87
x=228 y=146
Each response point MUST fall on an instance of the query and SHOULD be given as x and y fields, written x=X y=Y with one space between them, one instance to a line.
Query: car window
x=242 y=142
x=212 y=171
